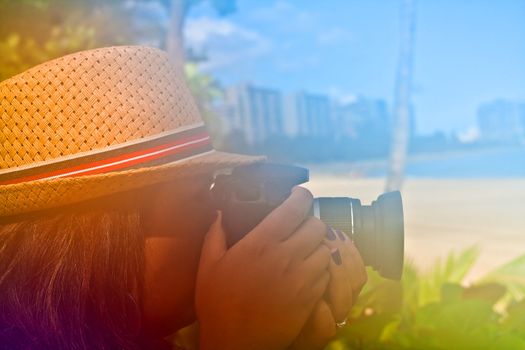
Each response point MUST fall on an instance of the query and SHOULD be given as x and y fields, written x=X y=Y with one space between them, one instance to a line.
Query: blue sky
x=467 y=51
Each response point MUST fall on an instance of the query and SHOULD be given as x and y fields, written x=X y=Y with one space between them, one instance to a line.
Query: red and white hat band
x=166 y=148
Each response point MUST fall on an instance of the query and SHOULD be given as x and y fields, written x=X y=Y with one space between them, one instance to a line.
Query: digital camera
x=249 y=193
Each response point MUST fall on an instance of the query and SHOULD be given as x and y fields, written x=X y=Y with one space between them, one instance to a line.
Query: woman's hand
x=347 y=275
x=347 y=278
x=259 y=293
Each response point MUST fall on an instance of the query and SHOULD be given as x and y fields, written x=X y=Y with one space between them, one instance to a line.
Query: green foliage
x=511 y=275
x=205 y=90
x=35 y=3
x=19 y=53
x=35 y=31
x=437 y=310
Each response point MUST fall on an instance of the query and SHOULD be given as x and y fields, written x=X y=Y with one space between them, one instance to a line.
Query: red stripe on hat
x=123 y=161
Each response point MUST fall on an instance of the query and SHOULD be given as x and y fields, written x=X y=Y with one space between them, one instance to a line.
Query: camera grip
x=251 y=192
x=241 y=216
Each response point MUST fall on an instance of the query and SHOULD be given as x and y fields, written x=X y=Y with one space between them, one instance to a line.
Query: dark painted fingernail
x=341 y=235
x=336 y=256
x=330 y=234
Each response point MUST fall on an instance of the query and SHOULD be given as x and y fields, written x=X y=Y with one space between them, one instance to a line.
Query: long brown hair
x=71 y=280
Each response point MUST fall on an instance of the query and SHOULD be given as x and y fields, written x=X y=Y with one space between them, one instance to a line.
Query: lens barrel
x=377 y=230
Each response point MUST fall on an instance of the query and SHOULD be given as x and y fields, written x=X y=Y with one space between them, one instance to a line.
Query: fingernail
x=330 y=234
x=341 y=235
x=336 y=256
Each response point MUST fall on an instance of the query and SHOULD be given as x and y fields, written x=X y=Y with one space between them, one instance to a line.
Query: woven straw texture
x=88 y=101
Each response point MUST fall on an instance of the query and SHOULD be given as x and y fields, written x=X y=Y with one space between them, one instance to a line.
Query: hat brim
x=32 y=196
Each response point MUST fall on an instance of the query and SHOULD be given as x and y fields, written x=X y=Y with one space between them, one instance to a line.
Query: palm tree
x=401 y=125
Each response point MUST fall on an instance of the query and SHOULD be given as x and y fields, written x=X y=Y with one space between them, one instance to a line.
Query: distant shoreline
x=370 y=168
x=461 y=153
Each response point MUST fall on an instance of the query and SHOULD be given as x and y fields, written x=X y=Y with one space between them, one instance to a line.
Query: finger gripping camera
x=249 y=193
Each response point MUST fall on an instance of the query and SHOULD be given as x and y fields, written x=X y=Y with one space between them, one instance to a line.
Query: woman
x=108 y=237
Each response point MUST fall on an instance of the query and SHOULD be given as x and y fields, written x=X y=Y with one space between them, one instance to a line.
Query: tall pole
x=403 y=89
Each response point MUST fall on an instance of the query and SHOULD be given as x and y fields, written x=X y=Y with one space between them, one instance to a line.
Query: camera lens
x=377 y=230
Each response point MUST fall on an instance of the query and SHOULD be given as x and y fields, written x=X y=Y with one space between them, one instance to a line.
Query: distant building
x=309 y=115
x=259 y=113
x=254 y=111
x=363 y=117
x=502 y=121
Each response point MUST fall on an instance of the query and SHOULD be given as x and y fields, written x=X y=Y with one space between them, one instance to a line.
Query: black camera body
x=249 y=193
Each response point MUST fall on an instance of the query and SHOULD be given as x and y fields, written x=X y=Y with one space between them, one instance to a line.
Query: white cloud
x=469 y=136
x=283 y=15
x=223 y=42
x=334 y=35
x=342 y=96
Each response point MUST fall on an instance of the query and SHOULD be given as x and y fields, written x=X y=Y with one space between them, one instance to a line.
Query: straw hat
x=96 y=123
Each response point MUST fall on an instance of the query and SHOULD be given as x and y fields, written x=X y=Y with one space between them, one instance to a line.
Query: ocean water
x=494 y=163
x=508 y=163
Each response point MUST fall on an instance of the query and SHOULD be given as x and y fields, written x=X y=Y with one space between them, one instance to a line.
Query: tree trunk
x=401 y=124
x=175 y=35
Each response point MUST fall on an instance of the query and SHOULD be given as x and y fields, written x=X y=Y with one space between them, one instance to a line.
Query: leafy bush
x=437 y=310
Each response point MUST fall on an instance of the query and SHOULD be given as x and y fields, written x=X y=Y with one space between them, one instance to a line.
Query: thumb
x=214 y=245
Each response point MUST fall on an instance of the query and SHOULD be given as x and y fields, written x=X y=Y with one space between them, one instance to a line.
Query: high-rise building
x=259 y=113
x=254 y=111
x=362 y=118
x=310 y=115
x=502 y=121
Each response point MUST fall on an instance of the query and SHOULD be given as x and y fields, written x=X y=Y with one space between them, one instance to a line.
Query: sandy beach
x=449 y=215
